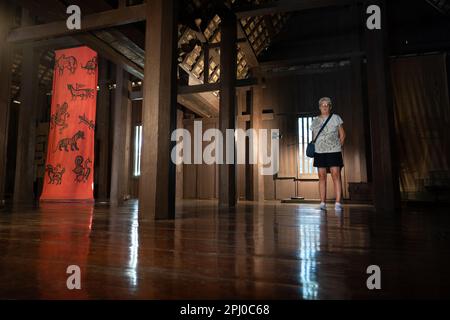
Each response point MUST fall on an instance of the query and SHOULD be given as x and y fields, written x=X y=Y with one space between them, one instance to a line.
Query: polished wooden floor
x=268 y=251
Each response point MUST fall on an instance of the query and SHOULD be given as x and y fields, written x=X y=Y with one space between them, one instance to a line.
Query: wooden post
x=227 y=106
x=157 y=180
x=102 y=131
x=246 y=100
x=256 y=123
x=382 y=130
x=121 y=132
x=26 y=139
x=7 y=18
x=359 y=147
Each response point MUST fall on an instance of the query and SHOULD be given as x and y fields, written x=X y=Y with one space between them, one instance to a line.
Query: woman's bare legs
x=323 y=184
x=336 y=175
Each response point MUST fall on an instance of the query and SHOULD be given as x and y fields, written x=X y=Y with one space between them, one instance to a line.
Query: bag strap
x=323 y=127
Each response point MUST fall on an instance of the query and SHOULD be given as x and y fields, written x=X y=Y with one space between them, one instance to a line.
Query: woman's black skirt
x=328 y=160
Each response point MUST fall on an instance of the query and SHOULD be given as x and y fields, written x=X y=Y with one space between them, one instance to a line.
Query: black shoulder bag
x=311 y=149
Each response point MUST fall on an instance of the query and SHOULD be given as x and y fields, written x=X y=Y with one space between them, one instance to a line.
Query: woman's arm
x=342 y=134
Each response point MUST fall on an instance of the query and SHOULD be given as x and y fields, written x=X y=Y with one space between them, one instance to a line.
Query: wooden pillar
x=121 y=140
x=26 y=139
x=102 y=131
x=382 y=130
x=180 y=167
x=227 y=106
x=246 y=100
x=157 y=180
x=256 y=123
x=359 y=147
x=7 y=20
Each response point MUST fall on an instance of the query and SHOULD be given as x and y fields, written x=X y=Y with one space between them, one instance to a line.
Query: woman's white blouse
x=328 y=141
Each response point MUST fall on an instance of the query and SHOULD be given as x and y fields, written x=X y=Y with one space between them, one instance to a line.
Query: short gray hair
x=327 y=100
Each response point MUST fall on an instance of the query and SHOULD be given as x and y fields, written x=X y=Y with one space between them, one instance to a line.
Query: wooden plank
x=102 y=20
x=287 y=6
x=157 y=181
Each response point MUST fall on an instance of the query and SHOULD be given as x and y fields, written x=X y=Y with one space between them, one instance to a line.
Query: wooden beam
x=217 y=44
x=195 y=102
x=51 y=9
x=268 y=65
x=199 y=105
x=102 y=20
x=49 y=44
x=227 y=109
x=200 y=88
x=287 y=6
x=208 y=87
x=215 y=86
x=106 y=51
x=157 y=180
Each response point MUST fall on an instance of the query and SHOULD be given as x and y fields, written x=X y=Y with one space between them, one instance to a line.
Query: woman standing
x=328 y=151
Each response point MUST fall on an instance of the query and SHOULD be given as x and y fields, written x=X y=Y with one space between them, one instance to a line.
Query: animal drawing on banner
x=80 y=91
x=55 y=174
x=65 y=143
x=90 y=66
x=82 y=169
x=70 y=63
x=58 y=119
x=86 y=121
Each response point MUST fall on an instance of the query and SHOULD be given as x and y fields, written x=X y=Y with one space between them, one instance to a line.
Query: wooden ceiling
x=128 y=41
x=260 y=24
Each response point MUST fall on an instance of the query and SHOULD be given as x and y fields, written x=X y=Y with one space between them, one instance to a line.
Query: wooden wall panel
x=241 y=169
x=289 y=97
x=206 y=173
x=189 y=170
x=294 y=95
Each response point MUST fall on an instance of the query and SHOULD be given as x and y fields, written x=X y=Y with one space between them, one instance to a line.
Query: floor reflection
x=133 y=250
x=265 y=251
x=63 y=243
x=309 y=232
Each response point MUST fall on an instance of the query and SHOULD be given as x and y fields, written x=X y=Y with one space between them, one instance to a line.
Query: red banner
x=70 y=154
